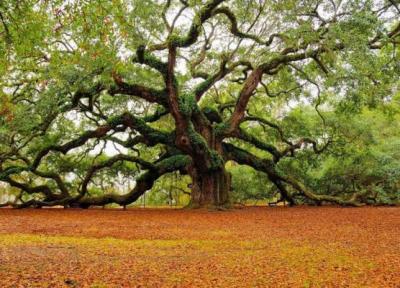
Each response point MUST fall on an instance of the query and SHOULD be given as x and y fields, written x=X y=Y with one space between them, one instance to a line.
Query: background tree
x=144 y=88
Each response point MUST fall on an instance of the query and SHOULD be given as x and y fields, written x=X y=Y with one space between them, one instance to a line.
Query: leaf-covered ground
x=252 y=247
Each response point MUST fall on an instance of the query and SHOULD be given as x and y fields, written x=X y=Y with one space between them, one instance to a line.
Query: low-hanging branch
x=267 y=166
x=143 y=183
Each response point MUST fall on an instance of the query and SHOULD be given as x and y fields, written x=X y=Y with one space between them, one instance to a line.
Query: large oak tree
x=178 y=86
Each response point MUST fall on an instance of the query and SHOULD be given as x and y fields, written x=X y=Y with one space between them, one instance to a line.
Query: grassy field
x=252 y=247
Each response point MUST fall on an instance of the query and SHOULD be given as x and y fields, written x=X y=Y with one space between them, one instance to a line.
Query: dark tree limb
x=243 y=157
x=143 y=183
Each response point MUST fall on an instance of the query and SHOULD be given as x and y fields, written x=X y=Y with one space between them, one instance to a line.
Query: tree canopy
x=96 y=92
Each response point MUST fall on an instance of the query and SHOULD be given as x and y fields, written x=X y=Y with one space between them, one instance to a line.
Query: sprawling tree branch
x=243 y=157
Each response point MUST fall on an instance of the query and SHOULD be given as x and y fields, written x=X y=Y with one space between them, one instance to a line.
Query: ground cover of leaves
x=251 y=247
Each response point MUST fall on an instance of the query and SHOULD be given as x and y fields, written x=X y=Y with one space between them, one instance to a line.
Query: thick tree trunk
x=210 y=189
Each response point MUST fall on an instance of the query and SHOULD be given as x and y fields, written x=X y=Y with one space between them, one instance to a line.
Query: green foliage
x=364 y=157
x=249 y=185
x=187 y=104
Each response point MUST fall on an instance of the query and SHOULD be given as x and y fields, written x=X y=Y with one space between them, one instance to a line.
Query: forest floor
x=251 y=247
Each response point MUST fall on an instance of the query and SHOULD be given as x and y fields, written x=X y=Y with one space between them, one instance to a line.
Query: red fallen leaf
x=253 y=247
